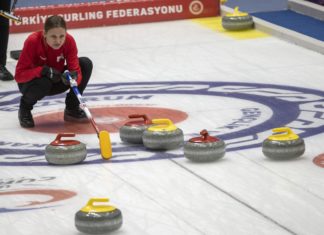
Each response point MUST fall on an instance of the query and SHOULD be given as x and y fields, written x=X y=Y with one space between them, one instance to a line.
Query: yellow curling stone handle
x=162 y=125
x=91 y=207
x=285 y=134
x=237 y=13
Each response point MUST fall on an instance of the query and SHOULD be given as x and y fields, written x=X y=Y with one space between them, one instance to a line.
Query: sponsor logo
x=144 y=11
x=101 y=13
x=60 y=57
x=167 y=9
x=242 y=114
x=196 y=7
x=9 y=183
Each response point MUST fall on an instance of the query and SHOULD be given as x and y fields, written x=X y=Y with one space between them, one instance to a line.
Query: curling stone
x=97 y=219
x=163 y=135
x=283 y=145
x=204 y=148
x=132 y=131
x=65 y=152
x=237 y=21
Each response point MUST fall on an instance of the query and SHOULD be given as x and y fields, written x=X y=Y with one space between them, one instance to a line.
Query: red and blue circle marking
x=285 y=102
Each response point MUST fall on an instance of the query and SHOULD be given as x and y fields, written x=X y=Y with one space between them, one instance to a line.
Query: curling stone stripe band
x=101 y=220
x=203 y=151
x=199 y=153
x=132 y=134
x=283 y=149
x=237 y=19
x=167 y=138
x=211 y=153
x=236 y=24
x=163 y=140
x=72 y=155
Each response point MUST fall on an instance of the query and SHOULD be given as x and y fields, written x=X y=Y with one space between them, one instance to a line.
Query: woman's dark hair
x=54 y=21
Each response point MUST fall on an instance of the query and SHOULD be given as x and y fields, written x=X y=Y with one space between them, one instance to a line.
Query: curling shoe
x=75 y=115
x=25 y=118
x=5 y=75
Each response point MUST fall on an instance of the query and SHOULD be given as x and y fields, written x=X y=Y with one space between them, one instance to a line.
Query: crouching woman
x=39 y=72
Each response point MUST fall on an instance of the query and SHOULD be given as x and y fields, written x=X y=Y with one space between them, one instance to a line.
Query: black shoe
x=5 y=75
x=75 y=115
x=25 y=118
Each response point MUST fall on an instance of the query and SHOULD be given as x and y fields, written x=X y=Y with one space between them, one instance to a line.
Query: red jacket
x=36 y=53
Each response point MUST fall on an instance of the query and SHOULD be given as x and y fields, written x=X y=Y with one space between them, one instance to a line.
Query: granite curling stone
x=204 y=148
x=65 y=152
x=163 y=135
x=97 y=218
x=132 y=131
x=283 y=145
x=237 y=21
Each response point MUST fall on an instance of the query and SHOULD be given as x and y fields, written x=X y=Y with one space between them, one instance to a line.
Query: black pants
x=4 y=31
x=38 y=88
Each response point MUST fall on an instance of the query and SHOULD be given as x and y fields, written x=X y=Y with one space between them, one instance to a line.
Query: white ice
x=244 y=193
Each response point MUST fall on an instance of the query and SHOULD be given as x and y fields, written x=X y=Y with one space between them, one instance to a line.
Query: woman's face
x=55 y=37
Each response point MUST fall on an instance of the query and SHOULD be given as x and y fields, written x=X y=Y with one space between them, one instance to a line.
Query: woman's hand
x=52 y=74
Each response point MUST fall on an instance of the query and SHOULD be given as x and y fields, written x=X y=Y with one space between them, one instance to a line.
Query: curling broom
x=104 y=138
